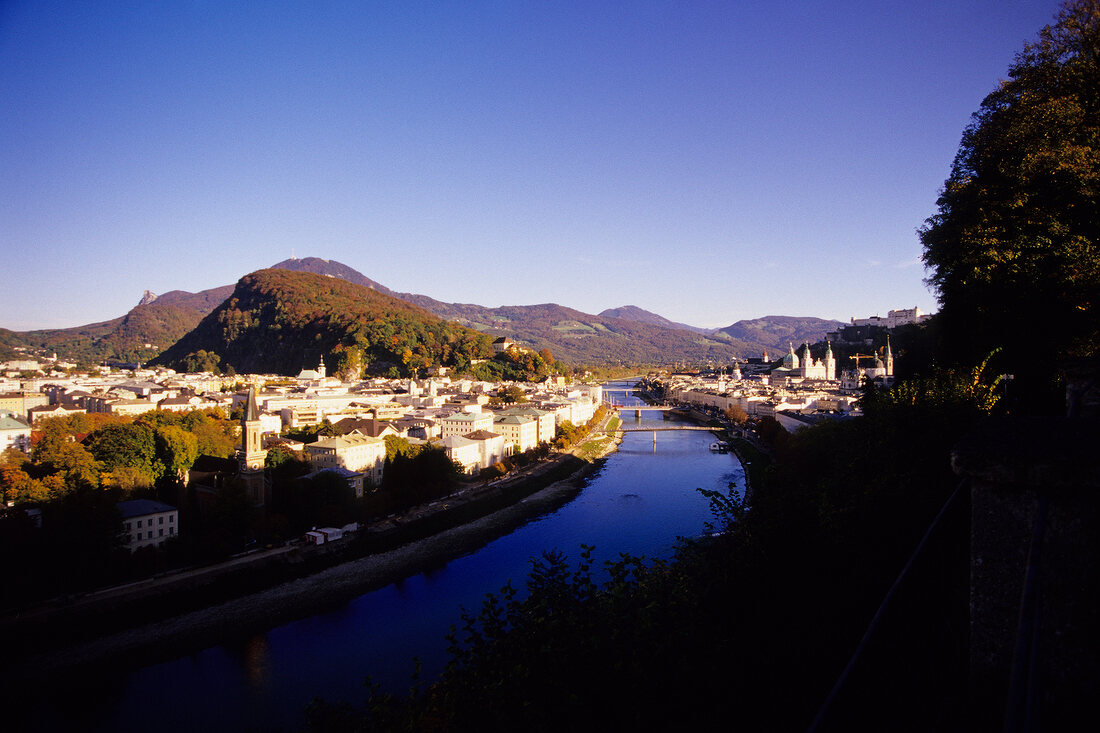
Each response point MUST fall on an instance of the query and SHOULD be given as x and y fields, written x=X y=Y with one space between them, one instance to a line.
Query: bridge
x=636 y=408
x=661 y=430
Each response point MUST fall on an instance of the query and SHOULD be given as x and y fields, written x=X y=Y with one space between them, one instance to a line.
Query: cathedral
x=822 y=369
x=802 y=367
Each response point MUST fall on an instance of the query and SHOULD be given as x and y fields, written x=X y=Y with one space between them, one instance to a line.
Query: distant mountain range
x=627 y=334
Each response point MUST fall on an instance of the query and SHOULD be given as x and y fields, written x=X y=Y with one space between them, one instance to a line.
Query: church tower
x=889 y=358
x=830 y=362
x=321 y=368
x=252 y=455
x=807 y=363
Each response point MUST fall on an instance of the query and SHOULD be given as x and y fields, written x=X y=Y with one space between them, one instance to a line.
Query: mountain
x=331 y=268
x=634 y=313
x=149 y=327
x=776 y=332
x=281 y=321
x=583 y=338
x=627 y=334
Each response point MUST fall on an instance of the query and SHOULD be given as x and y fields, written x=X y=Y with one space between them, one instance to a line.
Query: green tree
x=131 y=446
x=1014 y=249
x=216 y=437
x=398 y=446
x=176 y=450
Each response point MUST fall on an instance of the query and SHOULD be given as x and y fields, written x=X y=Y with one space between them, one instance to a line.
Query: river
x=639 y=501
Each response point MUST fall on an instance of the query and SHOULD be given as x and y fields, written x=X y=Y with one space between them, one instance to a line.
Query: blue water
x=639 y=502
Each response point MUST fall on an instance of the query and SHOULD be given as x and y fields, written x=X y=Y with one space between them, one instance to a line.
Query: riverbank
x=158 y=620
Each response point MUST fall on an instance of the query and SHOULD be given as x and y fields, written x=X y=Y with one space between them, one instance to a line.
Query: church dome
x=790 y=361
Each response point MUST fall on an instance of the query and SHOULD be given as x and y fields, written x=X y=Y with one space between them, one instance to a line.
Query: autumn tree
x=68 y=460
x=1014 y=249
x=737 y=414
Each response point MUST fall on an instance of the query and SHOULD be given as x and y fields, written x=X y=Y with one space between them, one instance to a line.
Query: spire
x=251 y=410
x=828 y=349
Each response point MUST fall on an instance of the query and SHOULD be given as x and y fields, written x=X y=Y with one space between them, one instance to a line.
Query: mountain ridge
x=627 y=334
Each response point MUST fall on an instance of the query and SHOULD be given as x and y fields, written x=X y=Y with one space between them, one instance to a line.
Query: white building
x=354 y=452
x=463 y=451
x=15 y=432
x=466 y=422
x=491 y=447
x=547 y=425
x=518 y=430
x=147 y=523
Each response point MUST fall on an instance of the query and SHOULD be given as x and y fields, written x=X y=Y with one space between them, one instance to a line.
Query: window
x=127 y=526
x=160 y=533
x=171 y=518
x=149 y=536
x=171 y=531
x=160 y=520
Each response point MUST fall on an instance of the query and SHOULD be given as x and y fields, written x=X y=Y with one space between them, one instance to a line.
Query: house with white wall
x=147 y=523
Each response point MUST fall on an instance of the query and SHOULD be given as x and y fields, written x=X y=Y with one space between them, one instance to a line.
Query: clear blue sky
x=743 y=158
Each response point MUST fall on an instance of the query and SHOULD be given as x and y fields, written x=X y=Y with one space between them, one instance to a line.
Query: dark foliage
x=1014 y=250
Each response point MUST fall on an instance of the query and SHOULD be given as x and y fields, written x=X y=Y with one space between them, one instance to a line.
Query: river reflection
x=639 y=502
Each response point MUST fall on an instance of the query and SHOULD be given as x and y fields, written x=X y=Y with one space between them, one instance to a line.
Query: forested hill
x=279 y=321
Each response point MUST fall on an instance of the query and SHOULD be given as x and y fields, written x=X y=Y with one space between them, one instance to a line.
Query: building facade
x=147 y=523
x=354 y=452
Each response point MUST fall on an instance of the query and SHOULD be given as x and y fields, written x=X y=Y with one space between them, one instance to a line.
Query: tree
x=177 y=450
x=70 y=461
x=122 y=445
x=1014 y=250
x=737 y=414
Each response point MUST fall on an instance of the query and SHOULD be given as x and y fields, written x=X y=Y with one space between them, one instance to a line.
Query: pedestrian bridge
x=661 y=430
x=620 y=408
